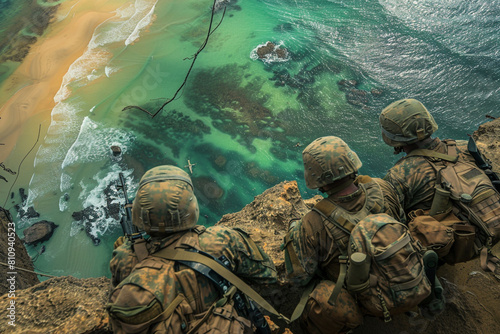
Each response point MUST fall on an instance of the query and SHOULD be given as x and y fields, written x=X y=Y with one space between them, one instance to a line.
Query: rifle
x=244 y=306
x=483 y=163
x=128 y=228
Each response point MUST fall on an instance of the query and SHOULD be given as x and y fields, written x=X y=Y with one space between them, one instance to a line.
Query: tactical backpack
x=464 y=192
x=397 y=280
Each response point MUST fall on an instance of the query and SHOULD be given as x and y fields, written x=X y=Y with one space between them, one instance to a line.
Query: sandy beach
x=30 y=90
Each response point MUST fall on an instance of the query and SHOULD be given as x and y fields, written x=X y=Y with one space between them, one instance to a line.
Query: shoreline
x=34 y=84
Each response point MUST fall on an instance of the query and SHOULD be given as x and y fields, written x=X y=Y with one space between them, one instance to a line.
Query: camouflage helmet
x=165 y=202
x=328 y=159
x=405 y=122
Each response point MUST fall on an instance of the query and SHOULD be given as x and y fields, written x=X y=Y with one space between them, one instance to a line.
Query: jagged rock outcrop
x=23 y=279
x=39 y=232
x=487 y=137
x=272 y=50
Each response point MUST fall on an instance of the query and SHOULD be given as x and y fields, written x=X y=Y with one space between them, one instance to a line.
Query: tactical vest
x=463 y=187
x=160 y=312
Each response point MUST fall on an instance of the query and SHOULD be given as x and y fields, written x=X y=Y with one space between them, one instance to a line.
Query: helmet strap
x=145 y=218
x=421 y=134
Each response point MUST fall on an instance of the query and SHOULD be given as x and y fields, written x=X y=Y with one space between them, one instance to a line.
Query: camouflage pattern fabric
x=314 y=245
x=320 y=317
x=165 y=202
x=405 y=122
x=149 y=287
x=414 y=178
x=396 y=262
x=328 y=159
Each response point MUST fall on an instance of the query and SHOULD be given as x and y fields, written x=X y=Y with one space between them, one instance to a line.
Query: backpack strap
x=326 y=208
x=433 y=154
x=140 y=248
x=184 y=255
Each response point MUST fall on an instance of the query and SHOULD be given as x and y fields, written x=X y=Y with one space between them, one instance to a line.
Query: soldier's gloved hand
x=119 y=242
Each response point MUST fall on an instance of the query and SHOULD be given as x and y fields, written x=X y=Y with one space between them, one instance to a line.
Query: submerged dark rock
x=29 y=213
x=39 y=232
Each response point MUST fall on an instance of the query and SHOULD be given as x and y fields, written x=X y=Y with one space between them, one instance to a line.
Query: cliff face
x=19 y=255
x=70 y=305
x=59 y=305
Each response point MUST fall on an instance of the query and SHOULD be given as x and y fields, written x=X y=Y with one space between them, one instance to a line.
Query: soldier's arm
x=248 y=259
x=122 y=262
x=394 y=207
x=399 y=185
x=301 y=249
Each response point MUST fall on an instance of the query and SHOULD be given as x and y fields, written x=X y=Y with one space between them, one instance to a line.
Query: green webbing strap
x=433 y=154
x=393 y=248
x=340 y=280
x=325 y=208
x=138 y=315
x=182 y=255
x=302 y=303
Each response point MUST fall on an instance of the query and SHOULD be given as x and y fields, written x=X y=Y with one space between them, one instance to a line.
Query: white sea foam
x=126 y=25
x=95 y=196
x=65 y=182
x=108 y=70
x=93 y=143
x=63 y=204
x=143 y=23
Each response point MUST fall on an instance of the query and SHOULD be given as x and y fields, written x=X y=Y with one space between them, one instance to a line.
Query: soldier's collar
x=347 y=198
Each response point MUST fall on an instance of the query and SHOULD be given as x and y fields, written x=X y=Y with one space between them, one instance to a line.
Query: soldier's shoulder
x=218 y=232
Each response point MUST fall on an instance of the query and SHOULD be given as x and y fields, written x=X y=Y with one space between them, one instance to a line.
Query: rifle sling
x=303 y=301
x=182 y=255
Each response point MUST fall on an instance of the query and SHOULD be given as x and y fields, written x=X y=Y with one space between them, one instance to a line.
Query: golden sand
x=32 y=87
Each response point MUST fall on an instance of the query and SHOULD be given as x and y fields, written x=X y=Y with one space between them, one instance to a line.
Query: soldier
x=440 y=178
x=167 y=281
x=316 y=246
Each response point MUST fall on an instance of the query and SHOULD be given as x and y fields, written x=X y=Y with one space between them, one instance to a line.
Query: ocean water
x=240 y=118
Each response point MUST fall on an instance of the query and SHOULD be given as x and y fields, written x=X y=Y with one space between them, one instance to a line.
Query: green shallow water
x=239 y=119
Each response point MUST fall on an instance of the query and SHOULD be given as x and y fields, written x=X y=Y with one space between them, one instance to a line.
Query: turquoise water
x=238 y=118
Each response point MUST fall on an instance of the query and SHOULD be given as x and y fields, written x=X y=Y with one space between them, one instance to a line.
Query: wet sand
x=30 y=90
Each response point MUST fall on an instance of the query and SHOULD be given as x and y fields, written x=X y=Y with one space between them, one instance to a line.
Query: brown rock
x=269 y=49
x=59 y=305
x=266 y=49
x=116 y=150
x=38 y=232
x=487 y=137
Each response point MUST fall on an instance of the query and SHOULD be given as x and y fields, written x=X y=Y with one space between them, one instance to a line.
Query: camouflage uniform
x=153 y=294
x=462 y=188
x=414 y=178
x=312 y=244
x=248 y=262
